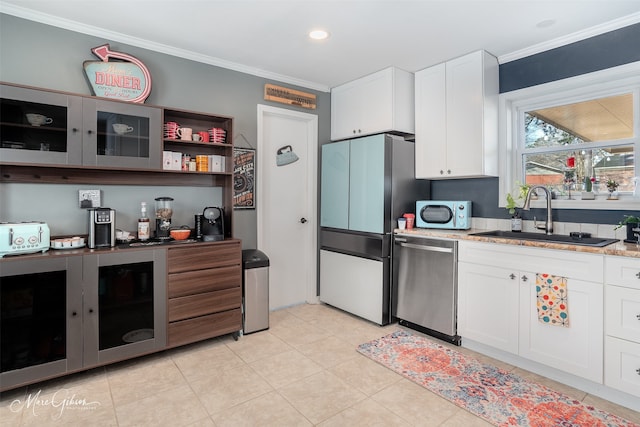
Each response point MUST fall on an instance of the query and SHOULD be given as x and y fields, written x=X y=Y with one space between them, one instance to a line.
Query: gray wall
x=48 y=57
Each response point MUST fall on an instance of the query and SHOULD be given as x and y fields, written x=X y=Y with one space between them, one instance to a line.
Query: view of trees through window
x=581 y=146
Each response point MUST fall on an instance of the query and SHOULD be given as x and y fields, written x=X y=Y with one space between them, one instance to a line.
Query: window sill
x=600 y=203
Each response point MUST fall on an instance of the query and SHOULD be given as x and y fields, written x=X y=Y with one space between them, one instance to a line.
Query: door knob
x=303 y=220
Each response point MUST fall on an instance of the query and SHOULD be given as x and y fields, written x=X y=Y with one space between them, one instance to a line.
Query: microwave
x=453 y=215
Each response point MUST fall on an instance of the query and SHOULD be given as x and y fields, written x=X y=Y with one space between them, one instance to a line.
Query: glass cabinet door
x=334 y=190
x=125 y=305
x=122 y=135
x=40 y=331
x=39 y=127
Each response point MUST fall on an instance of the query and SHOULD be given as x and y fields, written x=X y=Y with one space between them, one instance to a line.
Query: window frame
x=512 y=105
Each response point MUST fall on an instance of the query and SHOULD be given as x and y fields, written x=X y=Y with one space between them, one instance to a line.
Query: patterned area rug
x=498 y=396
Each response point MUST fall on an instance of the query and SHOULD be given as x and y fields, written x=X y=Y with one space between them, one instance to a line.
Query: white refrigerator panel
x=352 y=284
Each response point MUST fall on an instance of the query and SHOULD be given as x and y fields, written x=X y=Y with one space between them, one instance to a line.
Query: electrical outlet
x=89 y=198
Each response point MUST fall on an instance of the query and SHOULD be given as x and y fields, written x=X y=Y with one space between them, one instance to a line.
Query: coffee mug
x=38 y=119
x=184 y=133
x=204 y=136
x=196 y=137
x=121 y=128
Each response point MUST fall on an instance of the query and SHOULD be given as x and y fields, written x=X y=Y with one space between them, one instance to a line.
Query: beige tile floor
x=303 y=371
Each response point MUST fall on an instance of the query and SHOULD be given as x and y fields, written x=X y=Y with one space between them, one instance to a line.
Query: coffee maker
x=212 y=224
x=102 y=228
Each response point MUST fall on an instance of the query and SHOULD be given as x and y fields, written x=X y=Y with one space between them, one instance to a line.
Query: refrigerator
x=366 y=184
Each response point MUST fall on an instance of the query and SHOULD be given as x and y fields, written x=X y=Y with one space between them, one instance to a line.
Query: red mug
x=410 y=220
x=204 y=136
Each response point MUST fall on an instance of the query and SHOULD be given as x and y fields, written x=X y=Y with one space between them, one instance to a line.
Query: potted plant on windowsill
x=612 y=186
x=512 y=205
x=633 y=228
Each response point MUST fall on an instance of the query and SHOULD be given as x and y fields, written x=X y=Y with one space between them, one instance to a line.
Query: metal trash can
x=255 y=291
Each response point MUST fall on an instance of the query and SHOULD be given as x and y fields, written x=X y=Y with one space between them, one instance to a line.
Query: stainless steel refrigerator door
x=426 y=283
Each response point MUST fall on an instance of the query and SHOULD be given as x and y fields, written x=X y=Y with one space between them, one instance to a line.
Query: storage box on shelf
x=204 y=291
x=622 y=324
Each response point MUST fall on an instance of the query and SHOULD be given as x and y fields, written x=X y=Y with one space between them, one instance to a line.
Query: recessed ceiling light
x=318 y=34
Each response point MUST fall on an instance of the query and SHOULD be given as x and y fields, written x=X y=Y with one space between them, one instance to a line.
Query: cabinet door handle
x=524 y=278
x=74 y=313
x=91 y=310
x=638 y=316
x=638 y=371
x=638 y=275
x=89 y=131
x=441 y=172
x=512 y=276
x=448 y=171
x=74 y=130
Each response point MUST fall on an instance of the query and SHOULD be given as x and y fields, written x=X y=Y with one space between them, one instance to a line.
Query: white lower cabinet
x=622 y=324
x=622 y=365
x=576 y=349
x=497 y=305
x=488 y=305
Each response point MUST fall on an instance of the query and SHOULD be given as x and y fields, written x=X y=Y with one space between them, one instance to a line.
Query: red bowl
x=182 y=234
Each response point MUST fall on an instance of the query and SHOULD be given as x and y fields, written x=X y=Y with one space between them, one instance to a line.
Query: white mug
x=184 y=133
x=38 y=119
x=196 y=137
x=121 y=128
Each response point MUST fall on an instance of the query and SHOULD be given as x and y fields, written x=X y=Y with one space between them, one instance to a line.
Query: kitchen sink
x=553 y=238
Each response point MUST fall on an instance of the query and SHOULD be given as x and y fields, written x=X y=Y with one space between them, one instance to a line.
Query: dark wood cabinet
x=204 y=290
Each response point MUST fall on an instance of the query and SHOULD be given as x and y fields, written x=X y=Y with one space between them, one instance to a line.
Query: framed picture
x=244 y=166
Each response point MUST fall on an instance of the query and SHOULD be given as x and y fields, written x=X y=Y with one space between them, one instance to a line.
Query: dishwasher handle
x=425 y=247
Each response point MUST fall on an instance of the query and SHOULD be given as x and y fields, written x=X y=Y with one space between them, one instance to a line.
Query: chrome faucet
x=548 y=225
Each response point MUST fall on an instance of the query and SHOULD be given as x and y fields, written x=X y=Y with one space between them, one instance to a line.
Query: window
x=574 y=136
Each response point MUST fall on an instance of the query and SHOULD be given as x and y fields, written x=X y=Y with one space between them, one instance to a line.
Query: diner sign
x=125 y=79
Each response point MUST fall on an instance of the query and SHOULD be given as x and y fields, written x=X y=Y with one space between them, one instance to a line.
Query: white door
x=286 y=203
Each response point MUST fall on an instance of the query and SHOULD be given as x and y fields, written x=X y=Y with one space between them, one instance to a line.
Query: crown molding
x=572 y=38
x=78 y=27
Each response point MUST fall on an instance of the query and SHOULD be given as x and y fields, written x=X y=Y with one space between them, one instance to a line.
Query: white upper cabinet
x=379 y=102
x=456 y=118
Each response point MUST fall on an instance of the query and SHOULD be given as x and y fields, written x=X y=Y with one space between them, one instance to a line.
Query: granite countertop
x=619 y=249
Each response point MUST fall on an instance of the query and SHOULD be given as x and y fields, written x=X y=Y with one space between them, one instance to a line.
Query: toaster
x=23 y=237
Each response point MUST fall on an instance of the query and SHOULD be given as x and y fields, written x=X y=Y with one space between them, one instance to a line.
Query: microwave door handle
x=11 y=237
x=454 y=217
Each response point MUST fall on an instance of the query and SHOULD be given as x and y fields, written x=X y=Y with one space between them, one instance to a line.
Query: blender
x=164 y=211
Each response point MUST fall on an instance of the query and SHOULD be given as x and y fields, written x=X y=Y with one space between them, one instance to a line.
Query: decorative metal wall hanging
x=285 y=156
x=244 y=165
x=125 y=79
x=288 y=96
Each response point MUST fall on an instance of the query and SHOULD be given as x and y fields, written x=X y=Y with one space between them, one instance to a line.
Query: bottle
x=516 y=222
x=143 y=223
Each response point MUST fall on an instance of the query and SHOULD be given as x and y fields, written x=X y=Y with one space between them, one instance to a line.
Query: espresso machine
x=102 y=228
x=212 y=226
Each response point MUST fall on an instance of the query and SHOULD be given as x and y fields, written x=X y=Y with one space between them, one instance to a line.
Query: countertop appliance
x=24 y=237
x=454 y=215
x=425 y=281
x=212 y=224
x=102 y=228
x=366 y=185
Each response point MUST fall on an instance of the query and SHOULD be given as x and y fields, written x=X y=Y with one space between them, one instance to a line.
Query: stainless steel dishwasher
x=425 y=282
